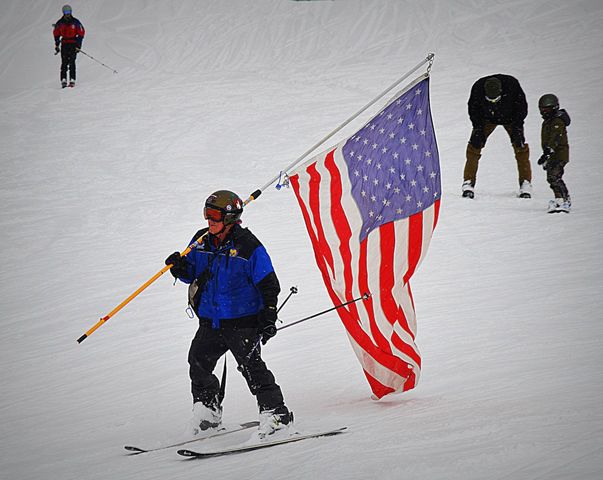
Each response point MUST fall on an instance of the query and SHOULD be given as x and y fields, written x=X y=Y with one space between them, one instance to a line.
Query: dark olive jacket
x=554 y=135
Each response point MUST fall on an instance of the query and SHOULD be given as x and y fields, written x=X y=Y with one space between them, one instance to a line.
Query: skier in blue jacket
x=233 y=290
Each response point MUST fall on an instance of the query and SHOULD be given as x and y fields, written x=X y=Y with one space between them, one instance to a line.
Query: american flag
x=370 y=205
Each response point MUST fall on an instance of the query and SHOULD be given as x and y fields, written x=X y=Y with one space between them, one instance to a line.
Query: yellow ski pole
x=137 y=292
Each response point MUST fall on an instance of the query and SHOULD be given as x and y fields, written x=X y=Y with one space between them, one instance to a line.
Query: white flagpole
x=296 y=162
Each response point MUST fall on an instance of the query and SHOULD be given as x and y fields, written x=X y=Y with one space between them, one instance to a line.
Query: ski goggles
x=213 y=214
x=493 y=100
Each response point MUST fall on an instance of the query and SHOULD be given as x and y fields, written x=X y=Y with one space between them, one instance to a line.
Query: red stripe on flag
x=306 y=215
x=386 y=283
x=322 y=245
x=406 y=348
x=388 y=275
x=436 y=214
x=403 y=321
x=389 y=305
x=314 y=204
x=381 y=342
x=342 y=228
x=386 y=271
x=377 y=387
x=411 y=381
x=415 y=243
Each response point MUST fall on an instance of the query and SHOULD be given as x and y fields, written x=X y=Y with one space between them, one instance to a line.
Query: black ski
x=296 y=437
x=217 y=433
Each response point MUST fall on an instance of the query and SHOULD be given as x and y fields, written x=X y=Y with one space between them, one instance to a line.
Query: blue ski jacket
x=236 y=278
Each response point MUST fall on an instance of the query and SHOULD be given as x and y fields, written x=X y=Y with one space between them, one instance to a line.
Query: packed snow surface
x=101 y=182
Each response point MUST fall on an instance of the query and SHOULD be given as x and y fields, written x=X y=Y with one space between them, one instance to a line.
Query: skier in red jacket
x=68 y=36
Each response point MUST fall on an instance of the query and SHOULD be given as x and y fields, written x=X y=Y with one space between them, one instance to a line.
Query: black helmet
x=548 y=104
x=223 y=205
x=493 y=89
x=548 y=101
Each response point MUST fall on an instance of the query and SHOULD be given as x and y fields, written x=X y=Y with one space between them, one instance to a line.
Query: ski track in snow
x=101 y=182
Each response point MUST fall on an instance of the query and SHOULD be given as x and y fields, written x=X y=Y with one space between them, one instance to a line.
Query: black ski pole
x=292 y=290
x=90 y=56
x=241 y=367
x=364 y=296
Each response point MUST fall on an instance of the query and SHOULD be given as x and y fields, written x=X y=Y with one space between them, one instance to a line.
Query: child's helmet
x=548 y=105
x=67 y=10
x=227 y=203
x=548 y=101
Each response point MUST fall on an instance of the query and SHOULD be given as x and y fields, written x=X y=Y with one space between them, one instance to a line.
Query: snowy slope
x=100 y=183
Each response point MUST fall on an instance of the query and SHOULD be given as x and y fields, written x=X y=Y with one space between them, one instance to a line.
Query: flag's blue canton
x=393 y=161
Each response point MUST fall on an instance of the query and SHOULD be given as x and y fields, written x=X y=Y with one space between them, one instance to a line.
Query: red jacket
x=69 y=31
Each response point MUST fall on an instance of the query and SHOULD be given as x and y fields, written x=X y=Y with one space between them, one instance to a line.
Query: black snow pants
x=554 y=176
x=239 y=336
x=68 y=55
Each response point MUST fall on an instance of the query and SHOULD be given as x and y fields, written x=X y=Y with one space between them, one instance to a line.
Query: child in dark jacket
x=555 y=150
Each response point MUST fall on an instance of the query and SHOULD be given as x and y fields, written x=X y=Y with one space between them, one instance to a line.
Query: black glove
x=545 y=157
x=517 y=138
x=178 y=265
x=267 y=323
x=56 y=49
x=478 y=138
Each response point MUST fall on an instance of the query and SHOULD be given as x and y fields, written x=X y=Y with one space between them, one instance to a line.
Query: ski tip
x=335 y=431
x=134 y=450
x=252 y=424
x=341 y=430
x=187 y=453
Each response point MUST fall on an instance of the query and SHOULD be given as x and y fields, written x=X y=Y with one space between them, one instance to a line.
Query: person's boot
x=559 y=205
x=205 y=418
x=468 y=189
x=271 y=421
x=525 y=190
x=565 y=206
